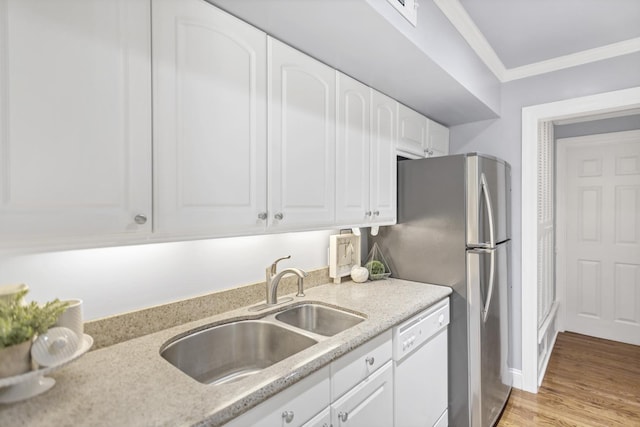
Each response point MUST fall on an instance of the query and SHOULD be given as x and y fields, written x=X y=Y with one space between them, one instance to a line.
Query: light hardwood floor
x=589 y=382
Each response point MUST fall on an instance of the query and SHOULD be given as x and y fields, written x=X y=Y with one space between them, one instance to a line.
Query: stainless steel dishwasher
x=420 y=368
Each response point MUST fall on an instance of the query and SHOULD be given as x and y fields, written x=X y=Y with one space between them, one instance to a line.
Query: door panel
x=490 y=379
x=599 y=196
x=488 y=189
x=301 y=172
x=75 y=109
x=210 y=120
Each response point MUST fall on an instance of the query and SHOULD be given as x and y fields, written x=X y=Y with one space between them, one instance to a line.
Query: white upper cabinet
x=210 y=75
x=437 y=139
x=419 y=136
x=301 y=124
x=353 y=152
x=365 y=155
x=412 y=132
x=75 y=114
x=384 y=137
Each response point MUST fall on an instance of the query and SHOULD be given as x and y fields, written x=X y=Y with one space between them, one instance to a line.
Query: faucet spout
x=273 y=280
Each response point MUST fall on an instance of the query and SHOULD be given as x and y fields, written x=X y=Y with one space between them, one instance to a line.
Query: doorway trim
x=531 y=116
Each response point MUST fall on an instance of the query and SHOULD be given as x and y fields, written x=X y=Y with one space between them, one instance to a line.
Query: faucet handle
x=274 y=266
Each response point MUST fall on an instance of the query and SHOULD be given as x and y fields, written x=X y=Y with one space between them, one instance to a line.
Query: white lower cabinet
x=398 y=378
x=323 y=419
x=292 y=407
x=369 y=404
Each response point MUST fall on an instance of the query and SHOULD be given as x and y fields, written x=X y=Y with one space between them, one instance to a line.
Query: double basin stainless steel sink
x=231 y=351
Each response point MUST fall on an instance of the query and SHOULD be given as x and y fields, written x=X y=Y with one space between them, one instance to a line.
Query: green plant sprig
x=20 y=323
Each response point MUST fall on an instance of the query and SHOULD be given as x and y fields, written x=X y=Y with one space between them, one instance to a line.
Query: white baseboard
x=516 y=377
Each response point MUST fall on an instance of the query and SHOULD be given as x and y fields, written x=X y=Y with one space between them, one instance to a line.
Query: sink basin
x=319 y=319
x=232 y=351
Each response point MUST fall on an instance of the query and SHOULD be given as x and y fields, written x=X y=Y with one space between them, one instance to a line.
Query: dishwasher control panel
x=419 y=329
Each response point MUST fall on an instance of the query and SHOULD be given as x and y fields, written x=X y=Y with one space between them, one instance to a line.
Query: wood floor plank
x=590 y=382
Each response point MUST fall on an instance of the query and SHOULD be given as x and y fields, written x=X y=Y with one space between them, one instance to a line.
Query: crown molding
x=458 y=16
x=575 y=59
x=462 y=22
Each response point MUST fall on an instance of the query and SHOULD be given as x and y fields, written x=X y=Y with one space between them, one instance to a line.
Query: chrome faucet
x=273 y=280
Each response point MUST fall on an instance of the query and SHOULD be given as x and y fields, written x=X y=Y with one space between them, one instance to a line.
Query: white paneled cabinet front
x=75 y=114
x=323 y=419
x=353 y=151
x=412 y=132
x=301 y=123
x=294 y=407
x=365 y=155
x=210 y=78
x=369 y=404
x=384 y=134
x=437 y=143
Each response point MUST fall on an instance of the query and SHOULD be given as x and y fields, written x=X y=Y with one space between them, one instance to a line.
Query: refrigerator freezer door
x=490 y=380
x=488 y=199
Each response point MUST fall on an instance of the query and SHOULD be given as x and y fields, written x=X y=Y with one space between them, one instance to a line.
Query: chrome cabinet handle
x=140 y=219
x=262 y=215
x=368 y=213
x=376 y=213
x=279 y=216
x=288 y=416
x=344 y=416
x=370 y=360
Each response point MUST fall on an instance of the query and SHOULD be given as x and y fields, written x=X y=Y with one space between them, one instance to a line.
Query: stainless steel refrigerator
x=454 y=229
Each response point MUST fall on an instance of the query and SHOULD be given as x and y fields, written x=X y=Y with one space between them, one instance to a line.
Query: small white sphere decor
x=359 y=274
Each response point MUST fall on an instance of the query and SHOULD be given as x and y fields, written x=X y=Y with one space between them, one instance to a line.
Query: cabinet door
x=412 y=132
x=353 y=152
x=292 y=407
x=75 y=114
x=209 y=120
x=301 y=140
x=323 y=419
x=369 y=404
x=383 y=158
x=438 y=139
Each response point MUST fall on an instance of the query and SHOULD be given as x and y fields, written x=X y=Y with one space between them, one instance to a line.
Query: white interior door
x=599 y=246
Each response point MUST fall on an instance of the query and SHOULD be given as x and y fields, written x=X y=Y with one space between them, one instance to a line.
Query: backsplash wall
x=120 y=279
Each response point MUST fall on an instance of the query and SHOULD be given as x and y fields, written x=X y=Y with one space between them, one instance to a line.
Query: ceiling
x=521 y=38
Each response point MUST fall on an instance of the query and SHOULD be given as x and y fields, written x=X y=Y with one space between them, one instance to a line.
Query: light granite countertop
x=130 y=384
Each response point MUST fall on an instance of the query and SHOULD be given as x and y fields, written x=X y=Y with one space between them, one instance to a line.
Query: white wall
x=119 y=279
x=502 y=138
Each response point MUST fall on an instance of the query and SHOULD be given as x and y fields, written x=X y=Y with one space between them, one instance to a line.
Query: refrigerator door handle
x=492 y=279
x=487 y=200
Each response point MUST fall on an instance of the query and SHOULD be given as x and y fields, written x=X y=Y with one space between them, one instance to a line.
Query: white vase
x=15 y=360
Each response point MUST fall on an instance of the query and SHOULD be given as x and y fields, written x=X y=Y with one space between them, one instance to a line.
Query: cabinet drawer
x=323 y=419
x=300 y=402
x=357 y=365
x=369 y=404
